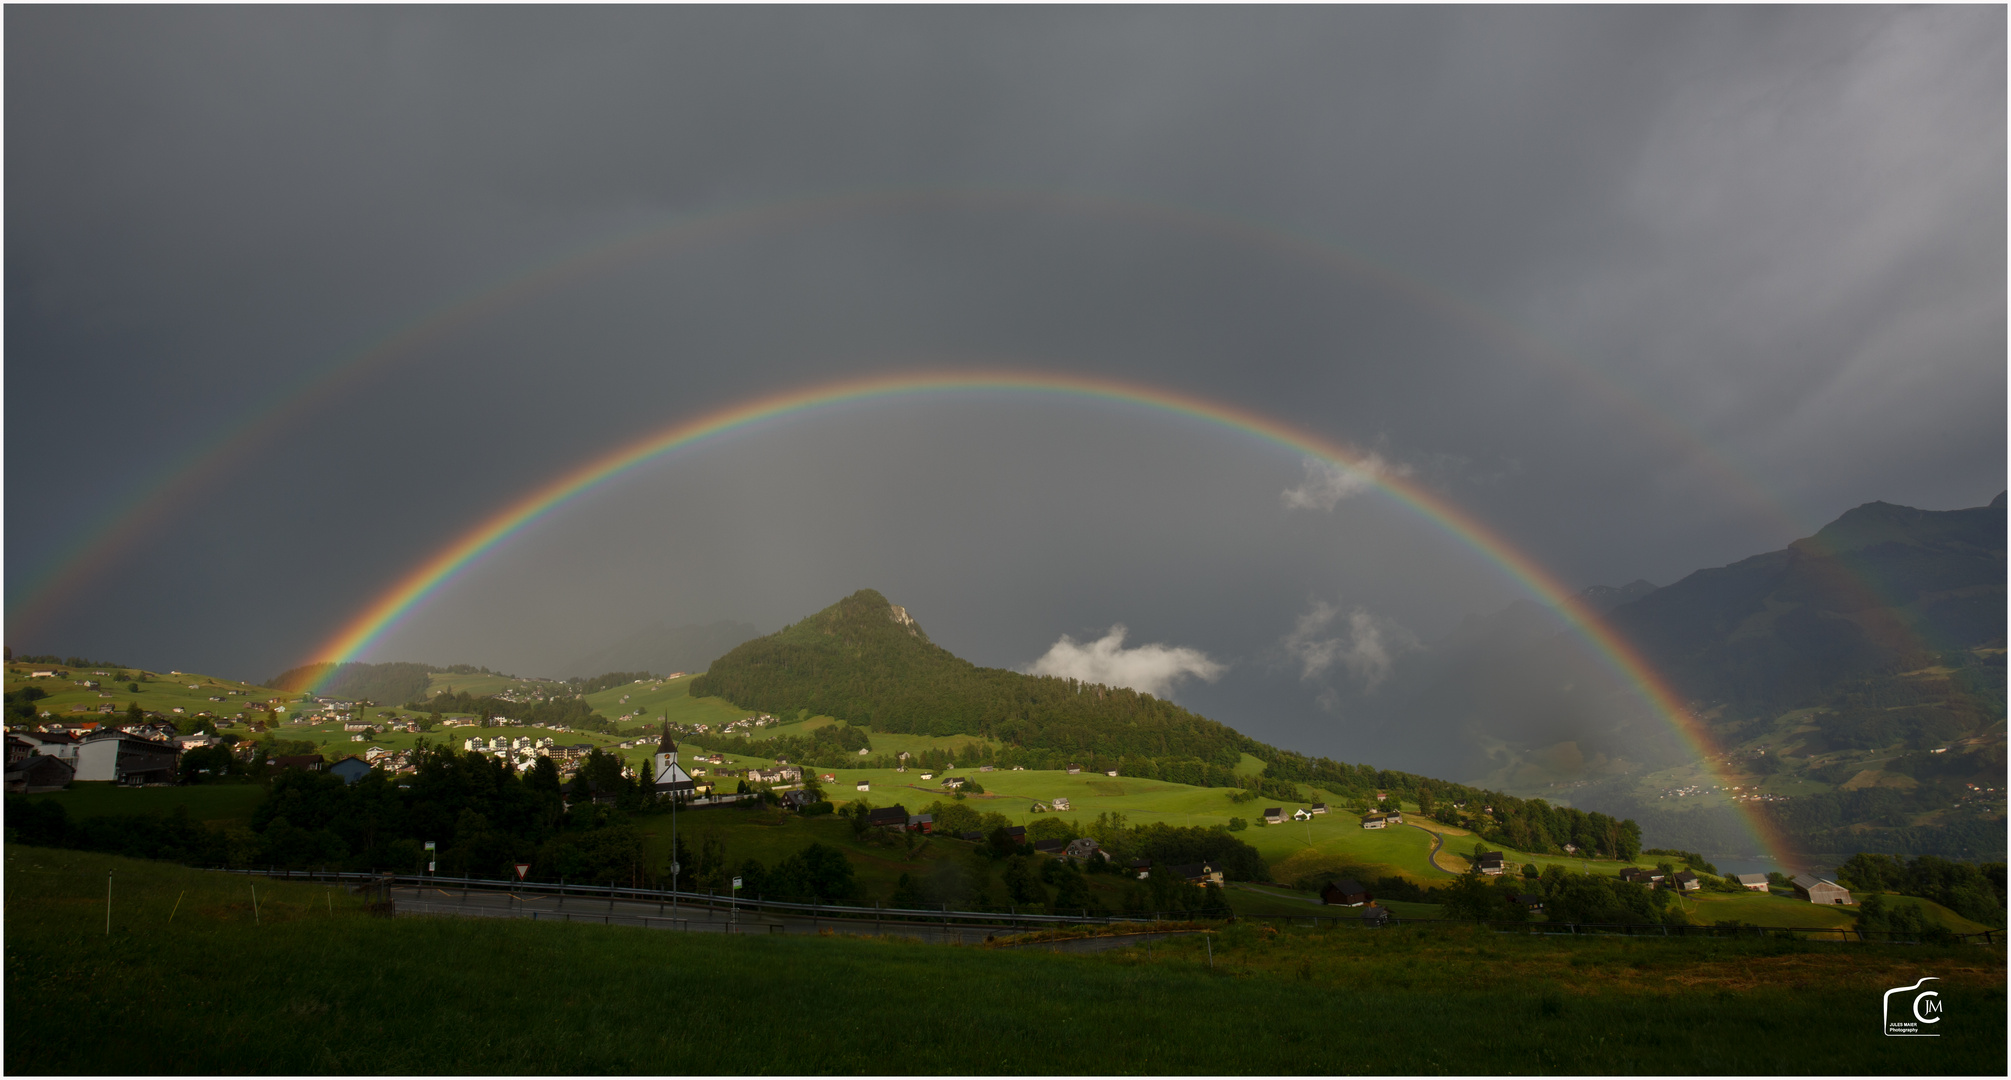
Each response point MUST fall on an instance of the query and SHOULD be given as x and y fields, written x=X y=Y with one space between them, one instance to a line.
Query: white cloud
x=1366 y=645
x=1327 y=482
x=1150 y=669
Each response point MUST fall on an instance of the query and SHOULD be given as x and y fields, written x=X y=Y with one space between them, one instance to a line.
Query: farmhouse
x=1755 y=882
x=1302 y=815
x=1345 y=893
x=1375 y=821
x=1641 y=876
x=921 y=823
x=1016 y=834
x=350 y=769
x=1201 y=873
x=888 y=817
x=1819 y=890
x=797 y=800
x=1490 y=863
x=1061 y=804
x=1685 y=882
x=1050 y=847
x=1082 y=849
x=52 y=743
x=1141 y=868
x=864 y=786
x=1394 y=816
x=1317 y=808
x=1073 y=768
x=39 y=772
x=1274 y=815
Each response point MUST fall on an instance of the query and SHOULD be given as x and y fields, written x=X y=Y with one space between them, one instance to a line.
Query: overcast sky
x=1644 y=289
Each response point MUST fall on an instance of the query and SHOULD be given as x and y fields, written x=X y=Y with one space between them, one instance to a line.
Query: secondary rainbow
x=147 y=504
x=402 y=598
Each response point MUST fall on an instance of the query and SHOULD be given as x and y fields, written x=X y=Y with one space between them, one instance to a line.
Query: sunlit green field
x=192 y=978
x=670 y=699
x=162 y=693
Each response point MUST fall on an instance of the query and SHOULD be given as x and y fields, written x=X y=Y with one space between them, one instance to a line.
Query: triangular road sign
x=522 y=869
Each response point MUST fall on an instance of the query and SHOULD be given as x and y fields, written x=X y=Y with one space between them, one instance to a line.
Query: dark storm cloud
x=1756 y=258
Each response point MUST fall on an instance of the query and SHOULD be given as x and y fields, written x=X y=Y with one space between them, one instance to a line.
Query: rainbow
x=390 y=608
x=151 y=499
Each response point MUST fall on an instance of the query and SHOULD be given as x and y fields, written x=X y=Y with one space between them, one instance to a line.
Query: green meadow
x=161 y=692
x=193 y=979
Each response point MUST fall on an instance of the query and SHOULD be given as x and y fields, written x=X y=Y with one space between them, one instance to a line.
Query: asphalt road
x=427 y=900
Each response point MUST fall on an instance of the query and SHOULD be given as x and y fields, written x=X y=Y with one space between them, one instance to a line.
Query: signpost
x=732 y=903
x=430 y=864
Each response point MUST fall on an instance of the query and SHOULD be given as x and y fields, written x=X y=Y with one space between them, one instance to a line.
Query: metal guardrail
x=715 y=901
x=1016 y=919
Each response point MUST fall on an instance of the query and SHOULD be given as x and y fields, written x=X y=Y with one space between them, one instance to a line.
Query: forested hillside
x=864 y=661
x=395 y=681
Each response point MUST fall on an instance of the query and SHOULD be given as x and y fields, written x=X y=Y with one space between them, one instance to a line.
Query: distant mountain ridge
x=662 y=649
x=1882 y=586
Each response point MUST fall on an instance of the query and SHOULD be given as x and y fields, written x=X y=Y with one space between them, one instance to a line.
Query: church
x=670 y=779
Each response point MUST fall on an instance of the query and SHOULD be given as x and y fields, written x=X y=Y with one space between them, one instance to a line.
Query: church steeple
x=670 y=779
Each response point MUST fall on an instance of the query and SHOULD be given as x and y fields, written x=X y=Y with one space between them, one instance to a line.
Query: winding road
x=1437 y=842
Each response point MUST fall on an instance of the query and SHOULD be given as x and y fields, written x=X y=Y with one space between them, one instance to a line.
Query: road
x=478 y=904
x=1437 y=842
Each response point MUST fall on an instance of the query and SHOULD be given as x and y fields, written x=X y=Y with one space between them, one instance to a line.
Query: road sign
x=429 y=845
x=522 y=869
x=432 y=867
x=736 y=884
x=674 y=867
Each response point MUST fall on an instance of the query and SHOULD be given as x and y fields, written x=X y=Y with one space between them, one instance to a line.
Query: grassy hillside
x=173 y=694
x=209 y=991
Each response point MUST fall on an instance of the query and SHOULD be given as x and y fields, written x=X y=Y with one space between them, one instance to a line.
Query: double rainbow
x=396 y=603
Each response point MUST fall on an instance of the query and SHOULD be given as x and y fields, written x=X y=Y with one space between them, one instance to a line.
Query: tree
x=1022 y=882
x=1469 y=897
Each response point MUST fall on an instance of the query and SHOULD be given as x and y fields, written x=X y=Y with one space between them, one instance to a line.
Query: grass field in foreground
x=315 y=987
x=226 y=804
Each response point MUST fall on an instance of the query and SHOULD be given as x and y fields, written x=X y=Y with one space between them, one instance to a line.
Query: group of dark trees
x=58 y=661
x=483 y=816
x=1970 y=890
x=1567 y=897
x=355 y=679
